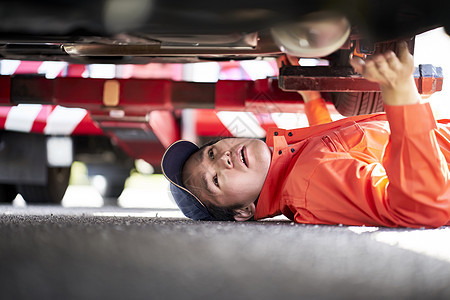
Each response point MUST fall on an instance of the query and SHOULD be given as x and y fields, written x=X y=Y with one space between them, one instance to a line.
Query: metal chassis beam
x=133 y=99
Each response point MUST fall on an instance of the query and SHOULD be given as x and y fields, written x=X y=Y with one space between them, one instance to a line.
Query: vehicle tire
x=52 y=192
x=8 y=193
x=113 y=178
x=357 y=103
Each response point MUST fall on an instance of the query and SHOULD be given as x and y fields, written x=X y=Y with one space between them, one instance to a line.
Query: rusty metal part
x=428 y=79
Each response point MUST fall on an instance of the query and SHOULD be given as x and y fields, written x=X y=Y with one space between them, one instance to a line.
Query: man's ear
x=243 y=214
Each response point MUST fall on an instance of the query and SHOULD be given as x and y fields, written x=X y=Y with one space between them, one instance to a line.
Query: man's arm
x=418 y=189
x=315 y=108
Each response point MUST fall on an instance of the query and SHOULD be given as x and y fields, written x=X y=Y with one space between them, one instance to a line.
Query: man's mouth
x=242 y=156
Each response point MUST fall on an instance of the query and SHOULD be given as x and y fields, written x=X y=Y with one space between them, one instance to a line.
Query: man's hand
x=393 y=73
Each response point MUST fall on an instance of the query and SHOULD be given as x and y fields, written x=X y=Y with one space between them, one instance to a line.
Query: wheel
x=108 y=179
x=8 y=192
x=52 y=192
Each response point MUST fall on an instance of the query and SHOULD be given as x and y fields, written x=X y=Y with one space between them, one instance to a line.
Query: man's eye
x=216 y=181
x=211 y=154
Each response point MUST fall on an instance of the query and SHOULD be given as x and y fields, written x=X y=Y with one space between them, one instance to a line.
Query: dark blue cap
x=172 y=165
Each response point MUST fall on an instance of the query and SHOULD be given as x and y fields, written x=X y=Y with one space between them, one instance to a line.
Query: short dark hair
x=220 y=213
x=212 y=142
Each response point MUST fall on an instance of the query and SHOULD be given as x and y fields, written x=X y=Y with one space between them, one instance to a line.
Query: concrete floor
x=49 y=252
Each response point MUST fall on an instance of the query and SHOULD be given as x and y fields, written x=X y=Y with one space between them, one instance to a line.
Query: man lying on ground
x=387 y=169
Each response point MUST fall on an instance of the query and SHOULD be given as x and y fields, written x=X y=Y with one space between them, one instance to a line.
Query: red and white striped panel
x=48 y=119
x=45 y=119
x=51 y=69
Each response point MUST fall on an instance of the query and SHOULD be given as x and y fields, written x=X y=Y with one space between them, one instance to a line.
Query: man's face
x=230 y=172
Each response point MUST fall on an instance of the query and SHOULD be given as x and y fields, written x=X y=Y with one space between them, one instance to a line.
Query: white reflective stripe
x=51 y=69
x=241 y=124
x=289 y=120
x=257 y=69
x=64 y=120
x=102 y=71
x=22 y=116
x=188 y=131
x=8 y=67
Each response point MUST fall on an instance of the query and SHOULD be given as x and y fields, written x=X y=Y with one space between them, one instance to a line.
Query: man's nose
x=226 y=159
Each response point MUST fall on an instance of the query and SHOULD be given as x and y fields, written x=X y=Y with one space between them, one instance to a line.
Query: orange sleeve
x=409 y=187
x=317 y=112
x=417 y=170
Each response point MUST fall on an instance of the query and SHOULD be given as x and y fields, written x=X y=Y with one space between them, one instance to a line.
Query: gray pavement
x=97 y=253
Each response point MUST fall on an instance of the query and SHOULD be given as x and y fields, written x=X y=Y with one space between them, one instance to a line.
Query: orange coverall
x=361 y=170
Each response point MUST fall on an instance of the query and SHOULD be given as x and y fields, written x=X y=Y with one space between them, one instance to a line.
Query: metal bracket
x=428 y=79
